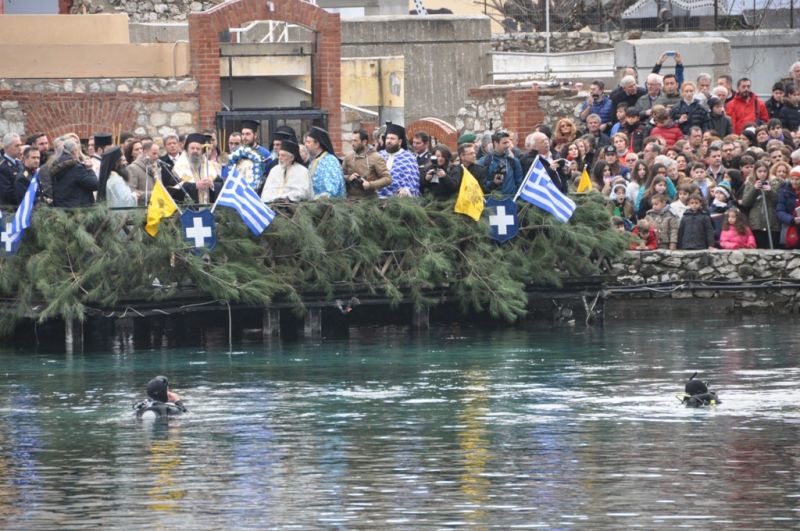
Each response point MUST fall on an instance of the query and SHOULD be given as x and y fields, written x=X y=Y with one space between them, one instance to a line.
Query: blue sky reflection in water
x=557 y=429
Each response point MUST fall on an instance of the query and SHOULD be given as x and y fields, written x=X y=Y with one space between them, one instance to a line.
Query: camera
x=358 y=182
x=501 y=169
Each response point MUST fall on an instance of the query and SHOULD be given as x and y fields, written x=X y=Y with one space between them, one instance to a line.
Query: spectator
x=421 y=146
x=790 y=112
x=725 y=81
x=665 y=127
x=619 y=120
x=113 y=181
x=678 y=75
x=646 y=236
x=31 y=158
x=594 y=130
x=715 y=169
x=639 y=173
x=696 y=230
x=775 y=103
x=704 y=85
x=645 y=103
x=775 y=132
x=634 y=130
x=467 y=160
x=689 y=112
x=657 y=186
x=746 y=107
x=10 y=166
x=612 y=159
x=628 y=92
x=718 y=121
x=680 y=205
x=779 y=171
x=760 y=199
x=670 y=94
x=618 y=202
x=74 y=182
x=437 y=177
x=664 y=221
x=566 y=132
x=787 y=209
x=601 y=177
x=735 y=232
x=504 y=172
x=598 y=104
x=621 y=148
x=365 y=171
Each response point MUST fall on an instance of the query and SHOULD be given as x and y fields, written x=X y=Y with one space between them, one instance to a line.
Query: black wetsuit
x=161 y=409
x=708 y=398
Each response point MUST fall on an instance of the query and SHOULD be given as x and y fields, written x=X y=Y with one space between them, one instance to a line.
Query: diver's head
x=695 y=387
x=157 y=388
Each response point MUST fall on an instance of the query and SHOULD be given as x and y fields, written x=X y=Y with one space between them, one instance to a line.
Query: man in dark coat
x=30 y=162
x=74 y=181
x=9 y=168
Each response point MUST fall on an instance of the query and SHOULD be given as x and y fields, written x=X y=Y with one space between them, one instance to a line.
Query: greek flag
x=11 y=232
x=539 y=190
x=236 y=194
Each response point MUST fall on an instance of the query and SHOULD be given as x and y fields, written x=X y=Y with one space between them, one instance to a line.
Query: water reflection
x=475 y=429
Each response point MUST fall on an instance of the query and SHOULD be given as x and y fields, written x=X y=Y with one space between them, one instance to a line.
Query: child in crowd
x=618 y=224
x=680 y=205
x=664 y=222
x=657 y=186
x=720 y=205
x=735 y=232
x=618 y=202
x=701 y=180
x=696 y=230
x=647 y=237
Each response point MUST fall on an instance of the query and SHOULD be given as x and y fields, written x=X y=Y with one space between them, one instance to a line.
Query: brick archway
x=204 y=30
x=443 y=132
x=75 y=113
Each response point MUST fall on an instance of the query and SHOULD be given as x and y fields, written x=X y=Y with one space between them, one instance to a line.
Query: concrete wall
x=56 y=29
x=515 y=66
x=700 y=54
x=444 y=56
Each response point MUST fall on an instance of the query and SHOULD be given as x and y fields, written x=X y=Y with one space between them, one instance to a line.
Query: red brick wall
x=83 y=114
x=204 y=29
x=443 y=132
x=523 y=112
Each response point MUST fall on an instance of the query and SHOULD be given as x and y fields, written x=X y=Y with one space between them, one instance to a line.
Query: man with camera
x=504 y=172
x=597 y=103
x=365 y=171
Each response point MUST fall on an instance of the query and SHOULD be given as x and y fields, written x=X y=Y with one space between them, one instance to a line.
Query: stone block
x=180 y=119
x=169 y=107
x=736 y=257
x=157 y=119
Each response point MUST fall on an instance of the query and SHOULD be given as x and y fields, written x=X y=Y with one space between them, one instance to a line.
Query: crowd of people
x=684 y=164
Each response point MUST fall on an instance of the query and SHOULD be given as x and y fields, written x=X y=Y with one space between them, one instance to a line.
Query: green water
x=540 y=428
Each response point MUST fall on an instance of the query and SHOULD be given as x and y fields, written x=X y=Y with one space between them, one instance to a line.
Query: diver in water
x=696 y=394
x=162 y=402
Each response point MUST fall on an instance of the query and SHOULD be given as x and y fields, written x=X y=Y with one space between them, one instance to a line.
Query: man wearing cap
x=197 y=174
x=365 y=171
x=250 y=160
x=102 y=143
x=402 y=165
x=282 y=132
x=325 y=169
x=288 y=180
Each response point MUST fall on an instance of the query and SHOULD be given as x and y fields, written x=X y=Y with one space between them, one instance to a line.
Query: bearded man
x=199 y=177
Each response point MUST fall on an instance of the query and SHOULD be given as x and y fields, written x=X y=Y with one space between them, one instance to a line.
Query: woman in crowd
x=787 y=209
x=436 y=178
x=760 y=199
x=132 y=150
x=566 y=131
x=639 y=175
x=658 y=185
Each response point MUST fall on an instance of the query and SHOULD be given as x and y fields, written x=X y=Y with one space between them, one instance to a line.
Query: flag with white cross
x=502 y=215
x=198 y=229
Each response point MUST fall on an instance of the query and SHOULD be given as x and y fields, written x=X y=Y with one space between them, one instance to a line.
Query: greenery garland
x=71 y=261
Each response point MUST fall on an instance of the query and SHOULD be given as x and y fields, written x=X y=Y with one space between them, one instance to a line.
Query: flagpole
x=527 y=177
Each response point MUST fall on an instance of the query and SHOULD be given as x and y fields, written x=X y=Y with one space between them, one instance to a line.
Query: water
x=555 y=429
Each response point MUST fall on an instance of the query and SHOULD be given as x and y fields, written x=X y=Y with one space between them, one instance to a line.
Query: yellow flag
x=470 y=197
x=585 y=184
x=161 y=206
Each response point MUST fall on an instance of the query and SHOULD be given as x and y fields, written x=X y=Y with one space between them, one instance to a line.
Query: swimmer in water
x=162 y=402
x=696 y=394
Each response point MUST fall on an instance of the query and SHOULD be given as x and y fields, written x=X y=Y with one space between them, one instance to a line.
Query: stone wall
x=147 y=10
x=744 y=278
x=154 y=106
x=568 y=41
x=488 y=106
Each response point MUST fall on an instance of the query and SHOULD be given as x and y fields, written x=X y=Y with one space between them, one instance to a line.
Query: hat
x=695 y=387
x=725 y=188
x=394 y=129
x=631 y=111
x=199 y=138
x=609 y=150
x=712 y=101
x=102 y=140
x=794 y=172
x=467 y=138
x=250 y=124
x=614 y=189
x=750 y=135
x=107 y=164
x=284 y=132
x=157 y=388
x=293 y=148
x=321 y=135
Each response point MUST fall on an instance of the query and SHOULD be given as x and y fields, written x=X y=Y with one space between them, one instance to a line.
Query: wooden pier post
x=73 y=336
x=421 y=318
x=312 y=325
x=271 y=323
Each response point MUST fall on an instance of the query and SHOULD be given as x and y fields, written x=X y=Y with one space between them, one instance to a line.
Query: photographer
x=436 y=179
x=759 y=199
x=365 y=171
x=504 y=172
x=597 y=103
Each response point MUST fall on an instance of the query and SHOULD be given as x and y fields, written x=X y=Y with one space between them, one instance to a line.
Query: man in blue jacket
x=504 y=172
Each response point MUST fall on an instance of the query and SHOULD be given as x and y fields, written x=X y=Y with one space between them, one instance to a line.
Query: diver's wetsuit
x=161 y=409
x=697 y=394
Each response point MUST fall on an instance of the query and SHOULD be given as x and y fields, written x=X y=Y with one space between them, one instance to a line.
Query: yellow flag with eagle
x=470 y=197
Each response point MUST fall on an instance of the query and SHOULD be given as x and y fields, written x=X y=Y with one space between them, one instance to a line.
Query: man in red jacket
x=746 y=107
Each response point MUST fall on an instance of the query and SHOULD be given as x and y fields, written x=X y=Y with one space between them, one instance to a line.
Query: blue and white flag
x=502 y=218
x=198 y=229
x=11 y=232
x=236 y=194
x=539 y=190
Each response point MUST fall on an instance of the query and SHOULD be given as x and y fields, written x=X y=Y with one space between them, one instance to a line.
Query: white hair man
x=653 y=85
x=10 y=166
